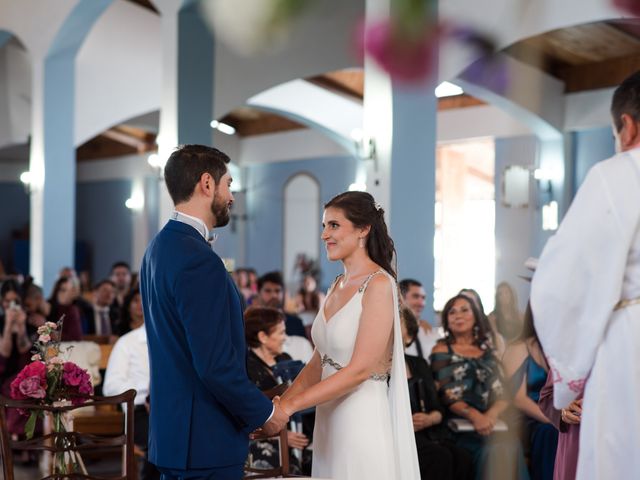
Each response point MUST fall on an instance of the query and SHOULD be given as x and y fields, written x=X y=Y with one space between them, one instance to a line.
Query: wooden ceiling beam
x=609 y=73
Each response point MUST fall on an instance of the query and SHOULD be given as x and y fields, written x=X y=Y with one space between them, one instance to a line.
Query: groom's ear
x=207 y=185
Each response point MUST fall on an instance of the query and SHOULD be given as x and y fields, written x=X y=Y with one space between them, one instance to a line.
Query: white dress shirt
x=128 y=366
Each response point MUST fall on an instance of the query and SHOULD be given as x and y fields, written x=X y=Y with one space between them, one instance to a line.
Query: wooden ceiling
x=584 y=57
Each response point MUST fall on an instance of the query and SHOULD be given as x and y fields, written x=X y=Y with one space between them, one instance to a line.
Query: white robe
x=591 y=264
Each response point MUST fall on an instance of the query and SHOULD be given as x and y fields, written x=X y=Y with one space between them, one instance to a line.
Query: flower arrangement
x=50 y=380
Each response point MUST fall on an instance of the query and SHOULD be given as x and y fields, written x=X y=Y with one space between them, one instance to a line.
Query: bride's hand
x=285 y=405
x=297 y=440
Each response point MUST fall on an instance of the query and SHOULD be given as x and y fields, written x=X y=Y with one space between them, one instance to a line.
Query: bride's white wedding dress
x=368 y=433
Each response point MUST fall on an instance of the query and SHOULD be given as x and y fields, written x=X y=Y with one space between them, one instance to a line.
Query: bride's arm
x=308 y=376
x=372 y=341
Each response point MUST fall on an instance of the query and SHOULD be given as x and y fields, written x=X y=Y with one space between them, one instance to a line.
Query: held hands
x=573 y=413
x=278 y=420
x=483 y=422
x=425 y=420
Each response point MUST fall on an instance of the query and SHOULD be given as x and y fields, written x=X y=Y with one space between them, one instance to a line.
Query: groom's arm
x=201 y=293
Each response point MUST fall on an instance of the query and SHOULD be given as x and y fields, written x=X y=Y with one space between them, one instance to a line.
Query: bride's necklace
x=345 y=280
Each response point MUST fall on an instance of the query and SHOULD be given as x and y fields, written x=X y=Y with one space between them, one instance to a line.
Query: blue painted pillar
x=413 y=182
x=52 y=158
x=402 y=121
x=187 y=93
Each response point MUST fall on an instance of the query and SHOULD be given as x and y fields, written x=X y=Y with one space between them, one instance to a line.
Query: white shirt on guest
x=427 y=342
x=128 y=366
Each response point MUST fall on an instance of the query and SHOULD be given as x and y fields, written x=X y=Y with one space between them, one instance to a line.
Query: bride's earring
x=361 y=242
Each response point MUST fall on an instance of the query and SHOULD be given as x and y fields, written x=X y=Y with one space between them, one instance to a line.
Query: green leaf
x=30 y=426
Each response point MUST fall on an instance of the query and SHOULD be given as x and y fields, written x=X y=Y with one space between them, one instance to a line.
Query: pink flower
x=44 y=338
x=36 y=373
x=31 y=387
x=405 y=57
x=78 y=379
x=629 y=6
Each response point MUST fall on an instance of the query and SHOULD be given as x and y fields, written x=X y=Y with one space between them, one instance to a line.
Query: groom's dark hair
x=187 y=164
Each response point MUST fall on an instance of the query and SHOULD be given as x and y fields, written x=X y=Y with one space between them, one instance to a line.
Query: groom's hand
x=277 y=422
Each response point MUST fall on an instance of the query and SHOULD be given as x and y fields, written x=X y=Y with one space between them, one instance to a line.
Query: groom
x=203 y=405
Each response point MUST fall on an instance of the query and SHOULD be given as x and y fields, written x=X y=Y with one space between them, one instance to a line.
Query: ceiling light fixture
x=448 y=89
x=222 y=127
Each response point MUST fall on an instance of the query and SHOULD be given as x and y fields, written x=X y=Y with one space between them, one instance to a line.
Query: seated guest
x=271 y=294
x=265 y=336
x=567 y=421
x=497 y=341
x=131 y=316
x=309 y=298
x=128 y=367
x=506 y=316
x=121 y=278
x=61 y=302
x=414 y=297
x=438 y=456
x=103 y=317
x=35 y=306
x=526 y=371
x=15 y=354
x=471 y=387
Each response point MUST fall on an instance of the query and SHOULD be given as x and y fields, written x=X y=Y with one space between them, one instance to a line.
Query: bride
x=357 y=377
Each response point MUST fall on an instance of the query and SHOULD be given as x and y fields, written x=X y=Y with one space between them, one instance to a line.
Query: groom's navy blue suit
x=203 y=405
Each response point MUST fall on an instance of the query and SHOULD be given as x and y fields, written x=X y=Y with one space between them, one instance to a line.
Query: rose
x=44 y=338
x=35 y=370
x=31 y=387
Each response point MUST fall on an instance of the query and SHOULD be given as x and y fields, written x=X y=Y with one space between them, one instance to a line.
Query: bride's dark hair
x=361 y=209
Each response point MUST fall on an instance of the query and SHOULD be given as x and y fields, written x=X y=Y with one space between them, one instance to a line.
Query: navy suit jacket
x=203 y=405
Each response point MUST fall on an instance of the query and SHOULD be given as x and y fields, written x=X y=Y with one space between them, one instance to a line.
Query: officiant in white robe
x=585 y=298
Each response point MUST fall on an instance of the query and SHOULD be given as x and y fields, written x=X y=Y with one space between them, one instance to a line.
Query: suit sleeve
x=202 y=299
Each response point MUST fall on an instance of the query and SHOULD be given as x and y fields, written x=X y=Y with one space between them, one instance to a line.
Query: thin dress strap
x=364 y=285
x=335 y=281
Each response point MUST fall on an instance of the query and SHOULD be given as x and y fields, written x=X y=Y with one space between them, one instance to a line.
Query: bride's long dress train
x=368 y=433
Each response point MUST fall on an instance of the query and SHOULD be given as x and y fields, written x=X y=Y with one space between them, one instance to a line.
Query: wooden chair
x=283 y=470
x=74 y=440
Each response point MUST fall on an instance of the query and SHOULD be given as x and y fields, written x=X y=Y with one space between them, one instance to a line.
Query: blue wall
x=104 y=224
x=265 y=191
x=589 y=147
x=14 y=215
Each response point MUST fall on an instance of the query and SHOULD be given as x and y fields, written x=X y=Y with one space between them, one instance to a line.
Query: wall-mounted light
x=222 y=127
x=135 y=202
x=25 y=178
x=365 y=144
x=550 y=216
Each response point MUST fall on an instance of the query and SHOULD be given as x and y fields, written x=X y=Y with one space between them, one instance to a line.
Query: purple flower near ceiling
x=629 y=6
x=407 y=58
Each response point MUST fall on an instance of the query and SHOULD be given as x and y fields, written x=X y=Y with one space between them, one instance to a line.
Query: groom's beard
x=220 y=210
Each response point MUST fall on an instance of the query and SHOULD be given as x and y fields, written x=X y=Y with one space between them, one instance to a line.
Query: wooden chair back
x=71 y=441
x=283 y=469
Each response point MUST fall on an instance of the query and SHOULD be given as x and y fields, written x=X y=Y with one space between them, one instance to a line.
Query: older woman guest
x=265 y=336
x=471 y=386
x=438 y=456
